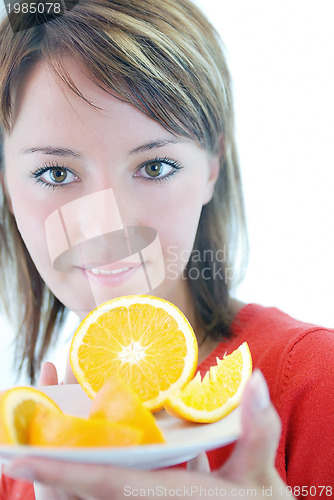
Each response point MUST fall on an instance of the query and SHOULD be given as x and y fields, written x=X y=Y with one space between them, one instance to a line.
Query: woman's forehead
x=50 y=114
x=41 y=86
x=47 y=100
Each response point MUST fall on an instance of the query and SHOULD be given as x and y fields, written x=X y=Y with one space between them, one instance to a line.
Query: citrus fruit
x=49 y=428
x=117 y=402
x=146 y=340
x=219 y=392
x=17 y=407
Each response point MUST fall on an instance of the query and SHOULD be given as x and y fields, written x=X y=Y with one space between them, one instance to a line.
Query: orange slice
x=117 y=402
x=145 y=340
x=17 y=407
x=219 y=392
x=50 y=428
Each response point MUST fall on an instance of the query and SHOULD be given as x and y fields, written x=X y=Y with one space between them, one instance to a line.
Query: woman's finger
x=255 y=451
x=48 y=375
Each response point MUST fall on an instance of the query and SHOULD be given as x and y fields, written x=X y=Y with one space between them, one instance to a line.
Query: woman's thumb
x=254 y=454
x=48 y=375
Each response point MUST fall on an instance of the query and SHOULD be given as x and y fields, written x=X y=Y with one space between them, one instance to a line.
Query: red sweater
x=297 y=360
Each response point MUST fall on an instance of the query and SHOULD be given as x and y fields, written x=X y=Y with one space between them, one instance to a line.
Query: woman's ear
x=214 y=162
x=5 y=190
x=214 y=169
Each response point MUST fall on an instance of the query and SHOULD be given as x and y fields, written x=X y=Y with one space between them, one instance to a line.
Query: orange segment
x=219 y=392
x=117 y=402
x=49 y=428
x=145 y=340
x=17 y=407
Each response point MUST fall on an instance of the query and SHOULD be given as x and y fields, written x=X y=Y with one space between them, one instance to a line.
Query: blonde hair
x=166 y=59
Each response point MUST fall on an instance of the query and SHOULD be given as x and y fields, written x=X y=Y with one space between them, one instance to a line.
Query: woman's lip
x=102 y=277
x=114 y=267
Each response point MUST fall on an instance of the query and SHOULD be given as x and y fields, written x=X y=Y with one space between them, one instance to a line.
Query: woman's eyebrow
x=58 y=151
x=54 y=151
x=154 y=144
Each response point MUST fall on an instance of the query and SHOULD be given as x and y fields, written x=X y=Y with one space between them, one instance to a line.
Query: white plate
x=183 y=440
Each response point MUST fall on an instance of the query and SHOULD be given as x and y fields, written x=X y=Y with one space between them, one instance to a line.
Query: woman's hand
x=250 y=467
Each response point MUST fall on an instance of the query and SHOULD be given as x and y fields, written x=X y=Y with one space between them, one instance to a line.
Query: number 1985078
x=35 y=7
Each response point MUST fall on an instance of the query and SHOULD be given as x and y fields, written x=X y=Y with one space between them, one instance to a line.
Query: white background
x=281 y=55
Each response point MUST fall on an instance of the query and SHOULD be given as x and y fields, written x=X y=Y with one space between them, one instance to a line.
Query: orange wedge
x=17 y=407
x=219 y=392
x=146 y=340
x=116 y=402
x=50 y=428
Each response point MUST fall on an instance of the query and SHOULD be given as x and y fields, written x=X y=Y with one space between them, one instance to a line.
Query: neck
x=184 y=301
x=182 y=298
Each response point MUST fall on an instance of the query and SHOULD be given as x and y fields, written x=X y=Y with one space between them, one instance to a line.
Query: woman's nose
x=92 y=215
x=82 y=219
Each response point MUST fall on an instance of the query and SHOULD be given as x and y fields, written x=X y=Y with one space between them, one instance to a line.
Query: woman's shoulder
x=287 y=350
x=269 y=327
x=251 y=315
x=276 y=340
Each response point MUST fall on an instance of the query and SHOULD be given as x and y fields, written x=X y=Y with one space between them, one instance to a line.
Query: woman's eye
x=158 y=169
x=53 y=176
x=58 y=175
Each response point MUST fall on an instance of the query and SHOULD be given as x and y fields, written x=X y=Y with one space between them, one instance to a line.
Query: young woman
x=119 y=115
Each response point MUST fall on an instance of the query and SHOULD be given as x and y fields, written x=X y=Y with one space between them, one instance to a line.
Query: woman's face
x=106 y=200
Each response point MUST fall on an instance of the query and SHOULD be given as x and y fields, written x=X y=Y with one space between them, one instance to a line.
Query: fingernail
x=261 y=397
x=19 y=472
